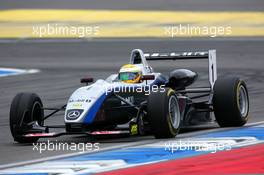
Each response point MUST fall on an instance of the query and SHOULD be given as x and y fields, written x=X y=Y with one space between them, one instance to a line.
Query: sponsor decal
x=77 y=105
x=105 y=132
x=79 y=100
x=73 y=114
x=133 y=129
x=40 y=134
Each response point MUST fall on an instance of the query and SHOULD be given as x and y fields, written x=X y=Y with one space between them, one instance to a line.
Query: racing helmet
x=130 y=73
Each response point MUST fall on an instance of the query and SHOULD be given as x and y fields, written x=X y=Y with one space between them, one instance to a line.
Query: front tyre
x=163 y=113
x=25 y=109
x=231 y=102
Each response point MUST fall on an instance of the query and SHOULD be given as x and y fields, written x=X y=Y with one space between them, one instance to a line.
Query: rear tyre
x=25 y=109
x=163 y=113
x=231 y=102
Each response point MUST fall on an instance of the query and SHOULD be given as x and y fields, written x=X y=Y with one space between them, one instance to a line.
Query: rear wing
x=210 y=55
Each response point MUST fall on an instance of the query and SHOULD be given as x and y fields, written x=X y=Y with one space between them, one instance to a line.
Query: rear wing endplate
x=210 y=55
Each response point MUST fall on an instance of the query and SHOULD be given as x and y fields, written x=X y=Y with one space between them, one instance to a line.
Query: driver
x=130 y=73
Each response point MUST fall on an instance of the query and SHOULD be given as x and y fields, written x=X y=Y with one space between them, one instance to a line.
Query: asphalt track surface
x=64 y=62
x=185 y=5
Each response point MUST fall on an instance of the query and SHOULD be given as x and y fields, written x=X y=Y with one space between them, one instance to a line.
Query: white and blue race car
x=156 y=104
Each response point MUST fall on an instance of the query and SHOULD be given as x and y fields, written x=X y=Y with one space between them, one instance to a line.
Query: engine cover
x=181 y=78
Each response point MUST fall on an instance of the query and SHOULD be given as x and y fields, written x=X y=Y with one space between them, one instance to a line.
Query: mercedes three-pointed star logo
x=73 y=114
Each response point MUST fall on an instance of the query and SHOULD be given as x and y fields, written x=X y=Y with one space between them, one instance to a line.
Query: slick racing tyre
x=163 y=113
x=25 y=109
x=230 y=102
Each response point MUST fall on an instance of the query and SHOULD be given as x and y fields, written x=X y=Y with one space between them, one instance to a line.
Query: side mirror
x=147 y=77
x=86 y=80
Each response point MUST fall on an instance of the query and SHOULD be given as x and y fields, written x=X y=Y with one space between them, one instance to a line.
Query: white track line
x=17 y=71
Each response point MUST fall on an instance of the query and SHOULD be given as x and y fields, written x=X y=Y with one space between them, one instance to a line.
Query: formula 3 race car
x=156 y=104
